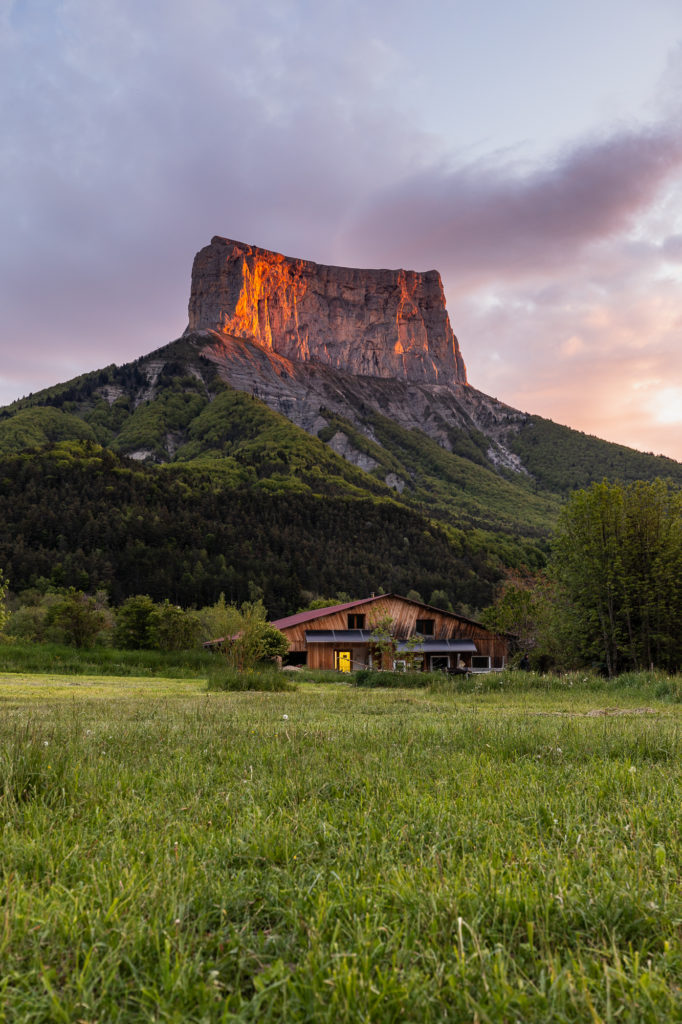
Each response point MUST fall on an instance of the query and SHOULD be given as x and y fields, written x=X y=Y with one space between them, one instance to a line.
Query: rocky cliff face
x=377 y=323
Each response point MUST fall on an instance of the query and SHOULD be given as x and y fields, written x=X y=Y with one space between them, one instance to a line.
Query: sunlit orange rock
x=379 y=323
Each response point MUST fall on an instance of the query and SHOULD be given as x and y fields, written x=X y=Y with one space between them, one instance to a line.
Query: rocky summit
x=375 y=323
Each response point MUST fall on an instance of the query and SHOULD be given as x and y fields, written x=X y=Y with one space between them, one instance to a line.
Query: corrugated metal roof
x=318 y=613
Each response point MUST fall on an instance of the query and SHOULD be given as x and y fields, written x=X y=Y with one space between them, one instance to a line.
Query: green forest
x=188 y=489
x=77 y=515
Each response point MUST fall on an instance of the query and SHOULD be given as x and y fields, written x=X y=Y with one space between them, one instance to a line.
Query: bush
x=265 y=679
x=410 y=680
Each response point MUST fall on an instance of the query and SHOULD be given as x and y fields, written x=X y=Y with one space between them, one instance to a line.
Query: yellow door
x=343 y=660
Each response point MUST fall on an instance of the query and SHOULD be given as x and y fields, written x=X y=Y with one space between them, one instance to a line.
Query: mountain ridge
x=492 y=477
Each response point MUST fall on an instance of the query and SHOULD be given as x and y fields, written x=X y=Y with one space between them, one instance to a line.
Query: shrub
x=265 y=679
x=411 y=680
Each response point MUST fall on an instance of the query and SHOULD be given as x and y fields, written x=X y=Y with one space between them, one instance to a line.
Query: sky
x=531 y=152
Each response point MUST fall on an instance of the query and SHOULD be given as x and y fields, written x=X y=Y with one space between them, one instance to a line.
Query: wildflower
x=45 y=743
x=285 y=718
x=632 y=769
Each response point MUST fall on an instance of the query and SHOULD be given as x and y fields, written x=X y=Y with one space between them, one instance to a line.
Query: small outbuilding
x=351 y=636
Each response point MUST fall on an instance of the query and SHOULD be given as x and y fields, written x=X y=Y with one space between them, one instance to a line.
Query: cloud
x=134 y=132
x=495 y=218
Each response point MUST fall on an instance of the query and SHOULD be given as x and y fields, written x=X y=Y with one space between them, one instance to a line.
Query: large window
x=356 y=621
x=480 y=662
x=440 y=662
x=425 y=627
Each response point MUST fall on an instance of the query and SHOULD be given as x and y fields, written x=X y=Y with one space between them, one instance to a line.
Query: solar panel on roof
x=347 y=636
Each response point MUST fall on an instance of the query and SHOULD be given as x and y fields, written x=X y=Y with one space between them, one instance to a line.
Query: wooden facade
x=339 y=637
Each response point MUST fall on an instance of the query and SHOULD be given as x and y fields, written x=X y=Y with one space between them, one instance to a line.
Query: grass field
x=337 y=854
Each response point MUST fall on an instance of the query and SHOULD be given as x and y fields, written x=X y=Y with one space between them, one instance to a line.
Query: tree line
x=80 y=516
x=611 y=594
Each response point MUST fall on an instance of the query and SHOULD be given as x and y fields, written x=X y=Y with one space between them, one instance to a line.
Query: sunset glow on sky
x=530 y=152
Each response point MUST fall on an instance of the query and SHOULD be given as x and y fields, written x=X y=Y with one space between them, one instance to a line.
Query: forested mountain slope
x=335 y=458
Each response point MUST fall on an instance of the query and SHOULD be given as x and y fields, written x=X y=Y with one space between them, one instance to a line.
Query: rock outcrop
x=376 y=323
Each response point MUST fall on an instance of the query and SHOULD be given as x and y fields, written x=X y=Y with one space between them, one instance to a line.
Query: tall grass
x=29 y=657
x=339 y=854
x=264 y=678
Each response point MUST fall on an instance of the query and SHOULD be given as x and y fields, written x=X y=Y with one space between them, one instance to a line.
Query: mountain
x=379 y=323
x=296 y=382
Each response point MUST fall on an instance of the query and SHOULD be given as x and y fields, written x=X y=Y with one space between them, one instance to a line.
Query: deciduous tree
x=617 y=558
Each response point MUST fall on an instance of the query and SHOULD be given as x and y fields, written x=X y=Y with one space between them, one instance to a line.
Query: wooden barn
x=341 y=637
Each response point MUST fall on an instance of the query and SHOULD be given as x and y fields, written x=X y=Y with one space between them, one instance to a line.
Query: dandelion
x=45 y=743
x=285 y=718
x=632 y=769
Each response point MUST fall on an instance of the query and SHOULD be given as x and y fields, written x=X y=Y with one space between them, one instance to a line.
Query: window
x=480 y=662
x=440 y=662
x=356 y=621
x=425 y=627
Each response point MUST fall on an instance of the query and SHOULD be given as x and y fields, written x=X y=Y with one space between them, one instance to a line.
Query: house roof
x=318 y=613
x=430 y=646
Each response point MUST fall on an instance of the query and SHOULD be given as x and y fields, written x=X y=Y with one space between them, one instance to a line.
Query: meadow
x=506 y=852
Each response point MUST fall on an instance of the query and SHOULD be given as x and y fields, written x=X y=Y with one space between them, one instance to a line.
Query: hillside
x=282 y=422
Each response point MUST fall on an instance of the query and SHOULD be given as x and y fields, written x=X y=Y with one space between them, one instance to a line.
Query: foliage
x=367 y=677
x=136 y=623
x=383 y=638
x=272 y=680
x=79 y=619
x=29 y=619
x=528 y=610
x=251 y=505
x=20 y=656
x=563 y=460
x=219 y=620
x=440 y=599
x=315 y=601
x=81 y=516
x=34 y=428
x=617 y=557
x=255 y=640
x=175 y=628
x=4 y=586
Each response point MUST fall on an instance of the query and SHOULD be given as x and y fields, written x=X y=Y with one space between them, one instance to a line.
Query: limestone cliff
x=377 y=323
